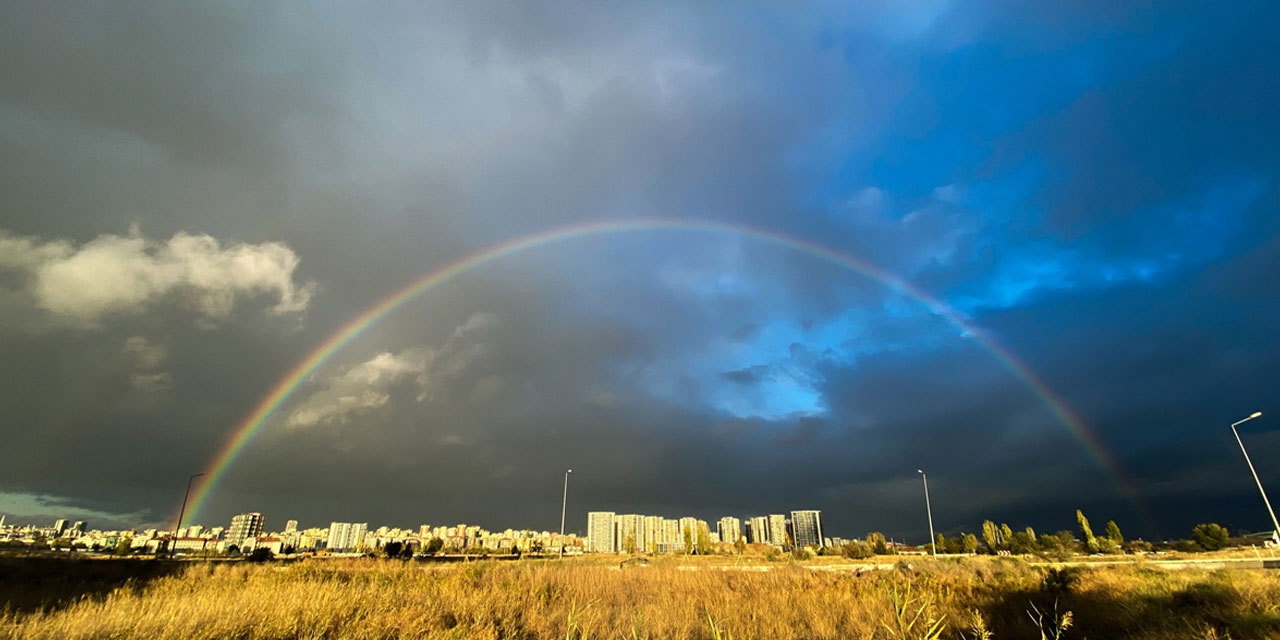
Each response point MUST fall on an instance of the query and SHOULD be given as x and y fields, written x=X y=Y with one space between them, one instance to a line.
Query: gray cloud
x=362 y=147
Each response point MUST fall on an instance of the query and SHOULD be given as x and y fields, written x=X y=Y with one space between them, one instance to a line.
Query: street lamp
x=1256 y=414
x=563 y=505
x=181 y=513
x=933 y=541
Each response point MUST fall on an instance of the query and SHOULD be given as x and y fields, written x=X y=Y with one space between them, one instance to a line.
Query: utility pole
x=564 y=504
x=1275 y=532
x=933 y=540
x=181 y=513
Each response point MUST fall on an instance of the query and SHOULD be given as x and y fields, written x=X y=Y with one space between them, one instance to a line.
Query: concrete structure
x=729 y=529
x=244 y=526
x=601 y=532
x=806 y=528
x=778 y=530
x=627 y=537
x=346 y=536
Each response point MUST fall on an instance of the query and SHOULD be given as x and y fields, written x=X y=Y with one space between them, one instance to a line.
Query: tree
x=1210 y=537
x=433 y=546
x=1031 y=533
x=704 y=539
x=740 y=545
x=688 y=539
x=1113 y=533
x=990 y=535
x=969 y=543
x=1066 y=541
x=1022 y=542
x=856 y=550
x=261 y=554
x=879 y=545
x=940 y=544
x=392 y=549
x=1090 y=542
x=629 y=545
x=1006 y=535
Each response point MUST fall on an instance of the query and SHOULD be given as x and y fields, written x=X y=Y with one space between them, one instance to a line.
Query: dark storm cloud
x=1089 y=184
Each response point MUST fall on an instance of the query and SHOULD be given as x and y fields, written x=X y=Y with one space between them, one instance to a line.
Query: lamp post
x=933 y=541
x=173 y=548
x=564 y=504
x=1256 y=414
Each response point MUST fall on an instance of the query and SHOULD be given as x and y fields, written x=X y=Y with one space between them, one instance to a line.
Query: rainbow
x=289 y=384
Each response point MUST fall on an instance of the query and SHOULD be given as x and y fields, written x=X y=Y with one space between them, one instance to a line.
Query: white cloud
x=114 y=274
x=369 y=385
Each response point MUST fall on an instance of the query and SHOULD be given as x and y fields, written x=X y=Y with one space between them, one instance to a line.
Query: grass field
x=594 y=598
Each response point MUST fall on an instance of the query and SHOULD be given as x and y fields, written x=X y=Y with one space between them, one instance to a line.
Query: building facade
x=346 y=536
x=243 y=527
x=601 y=532
x=777 y=530
x=806 y=528
x=730 y=530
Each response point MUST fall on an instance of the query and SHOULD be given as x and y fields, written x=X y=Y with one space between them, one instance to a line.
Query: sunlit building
x=806 y=528
x=244 y=526
x=729 y=529
x=601 y=532
x=346 y=536
x=777 y=530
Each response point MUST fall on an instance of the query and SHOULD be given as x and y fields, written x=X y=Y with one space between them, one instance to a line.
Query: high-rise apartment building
x=346 y=536
x=59 y=527
x=806 y=528
x=758 y=530
x=689 y=533
x=778 y=530
x=243 y=527
x=628 y=536
x=730 y=529
x=291 y=526
x=600 y=532
x=654 y=540
x=672 y=540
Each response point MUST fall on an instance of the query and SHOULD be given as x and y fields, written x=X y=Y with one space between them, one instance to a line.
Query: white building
x=628 y=538
x=346 y=536
x=729 y=529
x=600 y=532
x=243 y=526
x=777 y=530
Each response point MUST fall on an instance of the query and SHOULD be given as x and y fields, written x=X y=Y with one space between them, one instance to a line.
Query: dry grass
x=591 y=599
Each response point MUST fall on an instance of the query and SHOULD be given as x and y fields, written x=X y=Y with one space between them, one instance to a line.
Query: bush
x=1210 y=536
x=261 y=554
x=1059 y=582
x=857 y=550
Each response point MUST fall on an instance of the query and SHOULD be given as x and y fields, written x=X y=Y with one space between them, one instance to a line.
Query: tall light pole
x=564 y=504
x=933 y=541
x=181 y=513
x=1256 y=414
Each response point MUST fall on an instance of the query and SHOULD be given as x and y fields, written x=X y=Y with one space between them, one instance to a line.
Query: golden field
x=668 y=598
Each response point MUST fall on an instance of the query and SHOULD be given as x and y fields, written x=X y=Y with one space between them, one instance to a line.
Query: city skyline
x=359 y=263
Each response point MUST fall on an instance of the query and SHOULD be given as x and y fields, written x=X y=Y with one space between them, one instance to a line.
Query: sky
x=1079 y=198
